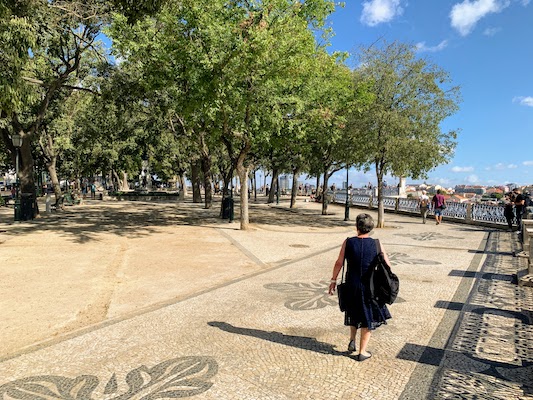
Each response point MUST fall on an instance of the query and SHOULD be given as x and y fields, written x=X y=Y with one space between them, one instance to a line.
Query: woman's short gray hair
x=364 y=223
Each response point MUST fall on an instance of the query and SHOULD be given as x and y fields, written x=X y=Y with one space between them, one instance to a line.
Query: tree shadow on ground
x=131 y=219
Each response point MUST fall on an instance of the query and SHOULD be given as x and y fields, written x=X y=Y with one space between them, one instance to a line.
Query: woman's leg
x=351 y=345
x=353 y=332
x=365 y=337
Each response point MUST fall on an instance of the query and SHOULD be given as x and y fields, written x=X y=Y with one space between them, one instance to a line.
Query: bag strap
x=378 y=246
x=344 y=261
x=342 y=272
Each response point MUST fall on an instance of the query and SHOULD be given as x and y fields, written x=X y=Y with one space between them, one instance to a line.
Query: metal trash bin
x=227 y=208
x=27 y=207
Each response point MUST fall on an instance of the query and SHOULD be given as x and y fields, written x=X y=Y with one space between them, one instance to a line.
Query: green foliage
x=400 y=129
x=18 y=33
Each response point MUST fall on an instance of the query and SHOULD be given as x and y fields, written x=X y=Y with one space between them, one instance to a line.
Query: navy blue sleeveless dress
x=362 y=313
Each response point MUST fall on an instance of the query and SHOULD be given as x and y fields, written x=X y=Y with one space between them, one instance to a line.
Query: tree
x=330 y=100
x=399 y=132
x=230 y=65
x=46 y=42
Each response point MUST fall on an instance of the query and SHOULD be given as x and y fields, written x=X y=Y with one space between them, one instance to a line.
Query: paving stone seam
x=242 y=249
x=154 y=307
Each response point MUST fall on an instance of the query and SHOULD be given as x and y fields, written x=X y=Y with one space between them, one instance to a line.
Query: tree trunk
x=206 y=169
x=325 y=194
x=195 y=179
x=242 y=172
x=294 y=186
x=27 y=182
x=226 y=178
x=121 y=183
x=273 y=185
x=255 y=185
x=208 y=184
x=317 y=184
x=51 y=167
x=124 y=186
x=381 y=208
x=183 y=186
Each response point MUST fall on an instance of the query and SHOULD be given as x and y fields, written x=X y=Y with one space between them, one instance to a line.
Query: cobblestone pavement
x=461 y=328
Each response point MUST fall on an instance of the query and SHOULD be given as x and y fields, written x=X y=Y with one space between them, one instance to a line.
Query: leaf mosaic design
x=402 y=258
x=428 y=236
x=305 y=296
x=173 y=379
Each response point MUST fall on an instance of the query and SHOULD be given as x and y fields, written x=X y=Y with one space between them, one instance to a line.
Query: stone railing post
x=526 y=223
x=526 y=278
x=468 y=217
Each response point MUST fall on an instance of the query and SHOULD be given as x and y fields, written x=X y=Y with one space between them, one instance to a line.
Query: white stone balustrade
x=526 y=223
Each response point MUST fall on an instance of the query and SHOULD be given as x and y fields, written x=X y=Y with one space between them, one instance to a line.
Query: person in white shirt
x=424 y=204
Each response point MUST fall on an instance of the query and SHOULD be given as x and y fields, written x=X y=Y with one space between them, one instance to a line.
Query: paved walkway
x=148 y=301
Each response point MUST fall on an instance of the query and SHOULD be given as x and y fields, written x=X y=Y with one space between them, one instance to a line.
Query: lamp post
x=17 y=144
x=277 y=190
x=347 y=205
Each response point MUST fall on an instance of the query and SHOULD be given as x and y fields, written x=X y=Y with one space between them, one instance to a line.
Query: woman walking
x=360 y=252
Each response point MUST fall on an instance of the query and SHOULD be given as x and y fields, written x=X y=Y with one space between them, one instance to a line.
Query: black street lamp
x=17 y=144
x=277 y=190
x=347 y=205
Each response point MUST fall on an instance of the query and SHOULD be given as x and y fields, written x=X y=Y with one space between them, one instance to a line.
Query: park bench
x=65 y=200
x=69 y=200
x=5 y=200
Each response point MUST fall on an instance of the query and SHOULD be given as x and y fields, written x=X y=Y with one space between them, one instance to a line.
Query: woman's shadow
x=300 y=342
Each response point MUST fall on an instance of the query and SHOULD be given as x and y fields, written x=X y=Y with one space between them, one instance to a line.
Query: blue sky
x=487 y=48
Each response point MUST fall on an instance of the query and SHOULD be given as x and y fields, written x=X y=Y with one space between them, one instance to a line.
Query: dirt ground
x=107 y=260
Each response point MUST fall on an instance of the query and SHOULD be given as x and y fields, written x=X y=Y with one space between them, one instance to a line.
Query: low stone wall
x=152 y=197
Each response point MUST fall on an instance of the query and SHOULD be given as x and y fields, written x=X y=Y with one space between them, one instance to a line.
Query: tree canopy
x=399 y=131
x=209 y=88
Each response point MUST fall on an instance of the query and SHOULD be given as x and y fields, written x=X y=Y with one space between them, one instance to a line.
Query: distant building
x=459 y=199
x=470 y=189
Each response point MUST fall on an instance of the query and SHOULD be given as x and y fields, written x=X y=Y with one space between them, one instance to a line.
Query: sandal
x=351 y=346
x=362 y=357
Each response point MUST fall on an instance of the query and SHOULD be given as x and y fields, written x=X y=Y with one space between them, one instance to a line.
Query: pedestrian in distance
x=424 y=204
x=508 y=212
x=519 y=202
x=360 y=253
x=439 y=203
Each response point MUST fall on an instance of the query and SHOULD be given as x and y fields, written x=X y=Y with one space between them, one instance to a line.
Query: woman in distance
x=360 y=252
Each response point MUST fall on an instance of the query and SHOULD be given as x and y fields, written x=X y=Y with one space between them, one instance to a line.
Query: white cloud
x=525 y=101
x=442 y=181
x=422 y=46
x=464 y=16
x=525 y=2
x=463 y=169
x=491 y=31
x=528 y=163
x=378 y=11
x=472 y=179
x=501 y=166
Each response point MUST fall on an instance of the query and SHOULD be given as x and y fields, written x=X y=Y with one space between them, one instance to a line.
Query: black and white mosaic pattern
x=177 y=378
x=490 y=356
x=402 y=258
x=305 y=296
x=428 y=236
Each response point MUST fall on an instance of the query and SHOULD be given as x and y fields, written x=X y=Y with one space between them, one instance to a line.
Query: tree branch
x=81 y=88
